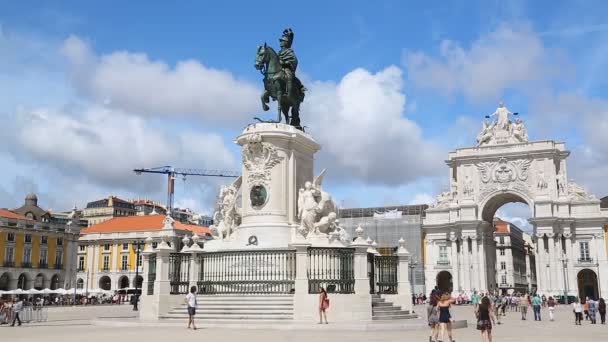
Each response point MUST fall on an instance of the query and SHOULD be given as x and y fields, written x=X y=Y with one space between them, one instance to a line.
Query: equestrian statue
x=280 y=81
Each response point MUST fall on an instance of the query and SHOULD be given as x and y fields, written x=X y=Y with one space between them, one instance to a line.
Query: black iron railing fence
x=151 y=273
x=386 y=273
x=253 y=272
x=179 y=272
x=332 y=269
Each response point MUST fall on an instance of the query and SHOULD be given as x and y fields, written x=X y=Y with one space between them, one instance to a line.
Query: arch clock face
x=258 y=196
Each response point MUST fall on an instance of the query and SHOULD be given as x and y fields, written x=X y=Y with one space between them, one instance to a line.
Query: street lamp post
x=137 y=245
x=565 y=264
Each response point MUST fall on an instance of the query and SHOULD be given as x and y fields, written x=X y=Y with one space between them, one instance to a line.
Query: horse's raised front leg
x=265 y=99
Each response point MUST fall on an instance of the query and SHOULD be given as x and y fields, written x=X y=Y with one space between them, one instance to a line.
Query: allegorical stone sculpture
x=280 y=81
x=317 y=211
x=503 y=130
x=227 y=216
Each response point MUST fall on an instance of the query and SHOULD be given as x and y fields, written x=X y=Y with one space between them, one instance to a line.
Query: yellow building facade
x=107 y=252
x=35 y=254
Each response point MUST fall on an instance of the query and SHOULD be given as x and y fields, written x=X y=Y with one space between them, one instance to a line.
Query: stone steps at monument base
x=385 y=311
x=238 y=307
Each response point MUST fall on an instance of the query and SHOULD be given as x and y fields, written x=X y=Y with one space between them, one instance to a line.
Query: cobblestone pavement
x=73 y=324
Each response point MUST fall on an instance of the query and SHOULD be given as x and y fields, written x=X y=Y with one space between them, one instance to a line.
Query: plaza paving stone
x=76 y=324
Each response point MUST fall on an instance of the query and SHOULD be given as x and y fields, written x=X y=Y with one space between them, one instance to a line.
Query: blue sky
x=93 y=90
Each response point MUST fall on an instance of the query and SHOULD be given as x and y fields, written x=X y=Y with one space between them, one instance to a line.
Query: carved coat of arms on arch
x=504 y=174
x=504 y=171
x=259 y=158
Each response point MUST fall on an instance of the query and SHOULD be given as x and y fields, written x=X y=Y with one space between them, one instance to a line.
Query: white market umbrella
x=32 y=291
x=48 y=291
x=17 y=291
x=61 y=291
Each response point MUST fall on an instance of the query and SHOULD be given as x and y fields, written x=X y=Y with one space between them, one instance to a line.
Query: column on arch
x=570 y=275
x=483 y=280
x=455 y=264
x=541 y=269
x=476 y=279
x=466 y=264
x=552 y=270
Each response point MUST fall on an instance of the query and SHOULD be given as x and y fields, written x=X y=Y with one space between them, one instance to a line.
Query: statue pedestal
x=277 y=160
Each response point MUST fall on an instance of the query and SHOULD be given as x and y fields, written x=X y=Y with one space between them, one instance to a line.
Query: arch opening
x=5 y=279
x=105 y=283
x=39 y=281
x=123 y=282
x=444 y=281
x=587 y=284
x=499 y=200
x=24 y=282
x=55 y=282
x=80 y=283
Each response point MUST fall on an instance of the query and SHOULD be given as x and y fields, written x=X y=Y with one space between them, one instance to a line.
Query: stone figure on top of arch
x=503 y=130
x=502 y=114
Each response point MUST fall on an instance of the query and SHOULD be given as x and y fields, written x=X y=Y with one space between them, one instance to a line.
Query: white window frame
x=124 y=262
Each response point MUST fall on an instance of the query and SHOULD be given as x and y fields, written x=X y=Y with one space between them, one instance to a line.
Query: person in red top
x=323 y=305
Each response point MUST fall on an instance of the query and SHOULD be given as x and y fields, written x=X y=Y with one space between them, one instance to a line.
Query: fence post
x=404 y=291
x=148 y=250
x=301 y=281
x=195 y=262
x=159 y=303
x=360 y=263
x=301 y=300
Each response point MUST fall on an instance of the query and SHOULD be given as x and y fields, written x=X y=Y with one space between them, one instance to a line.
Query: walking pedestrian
x=592 y=310
x=551 y=304
x=577 y=308
x=432 y=317
x=323 y=305
x=601 y=308
x=586 y=308
x=444 y=316
x=475 y=300
x=523 y=306
x=485 y=319
x=536 y=304
x=192 y=303
x=17 y=308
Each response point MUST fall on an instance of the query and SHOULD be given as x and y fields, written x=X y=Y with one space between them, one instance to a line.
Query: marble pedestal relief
x=505 y=167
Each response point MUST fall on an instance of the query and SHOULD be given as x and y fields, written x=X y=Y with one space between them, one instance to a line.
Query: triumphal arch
x=504 y=167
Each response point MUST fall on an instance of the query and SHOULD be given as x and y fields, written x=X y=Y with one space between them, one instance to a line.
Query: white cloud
x=505 y=58
x=422 y=198
x=106 y=144
x=134 y=83
x=563 y=114
x=364 y=135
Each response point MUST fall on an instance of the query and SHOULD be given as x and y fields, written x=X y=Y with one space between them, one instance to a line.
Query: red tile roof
x=12 y=215
x=502 y=227
x=140 y=223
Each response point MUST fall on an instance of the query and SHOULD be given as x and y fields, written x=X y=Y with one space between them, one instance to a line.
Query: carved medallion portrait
x=258 y=196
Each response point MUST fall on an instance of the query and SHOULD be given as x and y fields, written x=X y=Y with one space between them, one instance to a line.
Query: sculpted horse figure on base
x=275 y=86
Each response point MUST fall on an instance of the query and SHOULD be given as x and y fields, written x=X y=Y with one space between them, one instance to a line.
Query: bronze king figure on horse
x=280 y=81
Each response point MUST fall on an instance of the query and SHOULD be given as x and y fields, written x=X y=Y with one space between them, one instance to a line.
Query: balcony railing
x=58 y=266
x=585 y=260
x=9 y=263
x=43 y=264
x=443 y=262
x=80 y=269
x=105 y=269
x=26 y=264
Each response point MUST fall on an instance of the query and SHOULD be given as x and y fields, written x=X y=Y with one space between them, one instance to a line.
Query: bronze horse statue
x=275 y=84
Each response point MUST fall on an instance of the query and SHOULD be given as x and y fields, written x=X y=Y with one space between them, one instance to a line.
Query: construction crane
x=172 y=172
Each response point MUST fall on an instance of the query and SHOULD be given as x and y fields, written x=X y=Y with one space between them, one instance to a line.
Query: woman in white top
x=577 y=308
x=191 y=301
